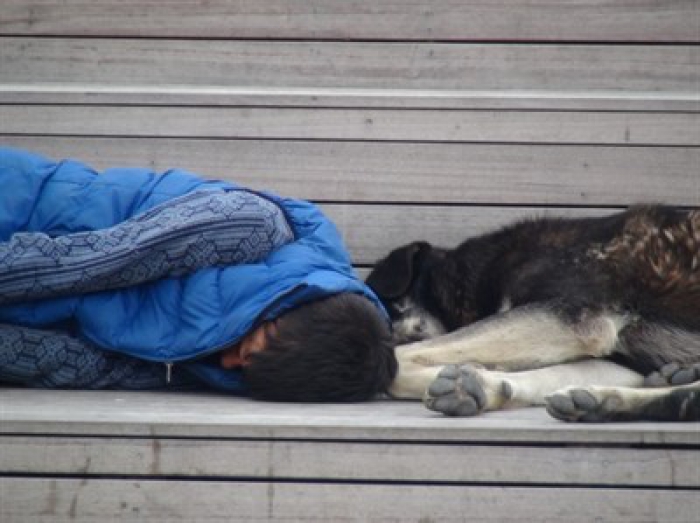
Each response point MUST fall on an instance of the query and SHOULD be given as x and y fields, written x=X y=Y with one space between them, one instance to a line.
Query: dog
x=598 y=319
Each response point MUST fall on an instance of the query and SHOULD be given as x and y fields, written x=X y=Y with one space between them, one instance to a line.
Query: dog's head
x=402 y=282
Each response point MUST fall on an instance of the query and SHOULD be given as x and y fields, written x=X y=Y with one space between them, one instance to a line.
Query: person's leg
x=54 y=359
x=198 y=230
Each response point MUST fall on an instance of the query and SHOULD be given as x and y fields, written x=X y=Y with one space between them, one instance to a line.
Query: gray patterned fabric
x=53 y=359
x=198 y=230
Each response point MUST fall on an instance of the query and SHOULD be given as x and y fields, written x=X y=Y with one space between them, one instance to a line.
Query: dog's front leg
x=526 y=337
x=467 y=390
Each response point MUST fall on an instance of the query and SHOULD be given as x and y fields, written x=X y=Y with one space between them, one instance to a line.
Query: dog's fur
x=571 y=313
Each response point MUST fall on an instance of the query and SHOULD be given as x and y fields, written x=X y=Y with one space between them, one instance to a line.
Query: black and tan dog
x=571 y=313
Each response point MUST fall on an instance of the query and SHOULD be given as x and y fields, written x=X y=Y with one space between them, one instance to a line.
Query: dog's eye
x=402 y=306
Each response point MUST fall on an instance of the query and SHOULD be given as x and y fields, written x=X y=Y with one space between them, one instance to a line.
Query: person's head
x=334 y=349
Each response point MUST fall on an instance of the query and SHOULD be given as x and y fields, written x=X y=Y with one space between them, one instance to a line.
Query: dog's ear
x=393 y=275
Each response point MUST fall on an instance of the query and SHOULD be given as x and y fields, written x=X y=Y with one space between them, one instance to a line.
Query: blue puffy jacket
x=292 y=254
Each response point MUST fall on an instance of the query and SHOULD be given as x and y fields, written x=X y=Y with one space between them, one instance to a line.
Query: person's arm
x=195 y=231
x=54 y=359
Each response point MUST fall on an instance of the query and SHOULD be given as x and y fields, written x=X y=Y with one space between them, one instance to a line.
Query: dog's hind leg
x=526 y=337
x=673 y=374
x=596 y=403
x=467 y=390
x=673 y=395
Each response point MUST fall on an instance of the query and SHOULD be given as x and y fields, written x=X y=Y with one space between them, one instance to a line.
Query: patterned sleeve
x=198 y=230
x=54 y=359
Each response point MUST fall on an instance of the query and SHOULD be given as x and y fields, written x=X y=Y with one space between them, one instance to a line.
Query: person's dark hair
x=336 y=349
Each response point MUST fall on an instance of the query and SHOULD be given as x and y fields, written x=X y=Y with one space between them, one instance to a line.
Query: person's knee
x=334 y=349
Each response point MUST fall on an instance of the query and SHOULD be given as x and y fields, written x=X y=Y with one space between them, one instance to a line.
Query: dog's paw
x=584 y=404
x=466 y=391
x=673 y=374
